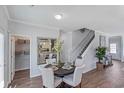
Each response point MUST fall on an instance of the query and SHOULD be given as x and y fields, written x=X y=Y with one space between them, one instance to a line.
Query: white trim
x=2 y=28
x=35 y=75
x=101 y=32
x=21 y=69
x=48 y=27
x=2 y=84
x=6 y=86
x=10 y=35
x=9 y=71
x=6 y=11
x=33 y=24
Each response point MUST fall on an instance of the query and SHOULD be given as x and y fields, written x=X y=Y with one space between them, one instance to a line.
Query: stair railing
x=82 y=46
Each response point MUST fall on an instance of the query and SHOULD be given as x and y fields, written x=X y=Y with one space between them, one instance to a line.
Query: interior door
x=1 y=60
x=115 y=47
x=12 y=57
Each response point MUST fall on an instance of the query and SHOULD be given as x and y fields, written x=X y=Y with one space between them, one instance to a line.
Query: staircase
x=86 y=39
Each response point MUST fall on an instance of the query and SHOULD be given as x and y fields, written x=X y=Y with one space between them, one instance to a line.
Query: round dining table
x=60 y=72
x=63 y=72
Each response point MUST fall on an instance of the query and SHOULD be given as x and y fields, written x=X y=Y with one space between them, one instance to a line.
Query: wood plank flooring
x=22 y=80
x=110 y=77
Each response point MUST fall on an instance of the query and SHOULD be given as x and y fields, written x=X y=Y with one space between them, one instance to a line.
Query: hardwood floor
x=110 y=77
x=22 y=80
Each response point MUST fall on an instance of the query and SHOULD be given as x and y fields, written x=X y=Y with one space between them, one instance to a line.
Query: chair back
x=50 y=56
x=78 y=75
x=79 y=62
x=48 y=77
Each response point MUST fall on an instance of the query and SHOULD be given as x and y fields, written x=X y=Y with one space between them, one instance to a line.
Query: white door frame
x=10 y=58
x=11 y=35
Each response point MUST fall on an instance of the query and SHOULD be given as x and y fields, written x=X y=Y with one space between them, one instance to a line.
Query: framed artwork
x=44 y=49
x=102 y=41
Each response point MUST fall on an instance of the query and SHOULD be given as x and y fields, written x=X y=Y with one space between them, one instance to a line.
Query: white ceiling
x=102 y=18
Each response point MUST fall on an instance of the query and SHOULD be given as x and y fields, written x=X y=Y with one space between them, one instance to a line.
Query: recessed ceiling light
x=58 y=16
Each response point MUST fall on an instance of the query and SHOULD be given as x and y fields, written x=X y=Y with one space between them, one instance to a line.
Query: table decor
x=58 y=48
x=67 y=68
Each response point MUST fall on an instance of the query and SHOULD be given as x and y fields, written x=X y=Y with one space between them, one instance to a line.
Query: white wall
x=66 y=37
x=4 y=30
x=32 y=32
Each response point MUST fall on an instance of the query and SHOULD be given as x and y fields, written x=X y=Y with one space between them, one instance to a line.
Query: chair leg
x=62 y=84
x=80 y=85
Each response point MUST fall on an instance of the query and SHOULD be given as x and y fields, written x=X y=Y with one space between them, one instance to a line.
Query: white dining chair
x=79 y=62
x=50 y=60
x=74 y=79
x=48 y=78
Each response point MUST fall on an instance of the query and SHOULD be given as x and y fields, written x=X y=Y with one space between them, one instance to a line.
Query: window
x=113 y=48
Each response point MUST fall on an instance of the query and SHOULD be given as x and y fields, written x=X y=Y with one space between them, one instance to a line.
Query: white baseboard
x=21 y=69
x=35 y=75
x=6 y=86
x=87 y=70
x=2 y=84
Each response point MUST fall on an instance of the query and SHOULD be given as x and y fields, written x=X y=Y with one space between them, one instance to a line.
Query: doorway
x=20 y=56
x=1 y=60
x=115 y=47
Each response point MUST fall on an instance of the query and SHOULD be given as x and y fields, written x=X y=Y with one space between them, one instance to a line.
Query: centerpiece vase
x=58 y=60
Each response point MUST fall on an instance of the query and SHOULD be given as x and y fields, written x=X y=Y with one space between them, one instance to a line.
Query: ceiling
x=102 y=18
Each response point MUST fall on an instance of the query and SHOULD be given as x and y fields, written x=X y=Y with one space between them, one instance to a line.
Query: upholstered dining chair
x=78 y=62
x=74 y=79
x=50 y=59
x=48 y=78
